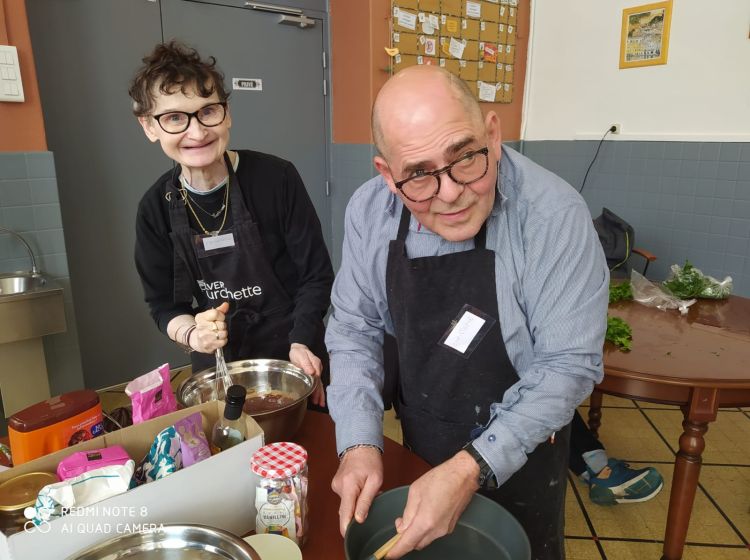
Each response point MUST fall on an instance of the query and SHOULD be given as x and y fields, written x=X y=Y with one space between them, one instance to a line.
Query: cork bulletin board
x=473 y=39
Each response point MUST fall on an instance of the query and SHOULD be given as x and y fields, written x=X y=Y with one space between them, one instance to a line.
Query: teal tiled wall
x=29 y=205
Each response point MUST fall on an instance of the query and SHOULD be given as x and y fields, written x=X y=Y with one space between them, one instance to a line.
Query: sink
x=20 y=282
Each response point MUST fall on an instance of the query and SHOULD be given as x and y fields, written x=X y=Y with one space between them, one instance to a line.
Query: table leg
x=687 y=468
x=595 y=412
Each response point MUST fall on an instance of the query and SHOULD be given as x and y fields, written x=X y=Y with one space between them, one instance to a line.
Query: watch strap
x=486 y=475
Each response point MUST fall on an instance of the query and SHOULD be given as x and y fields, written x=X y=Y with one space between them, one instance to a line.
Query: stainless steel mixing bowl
x=259 y=377
x=171 y=542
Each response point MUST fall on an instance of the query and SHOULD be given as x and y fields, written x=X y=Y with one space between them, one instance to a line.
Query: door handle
x=303 y=21
x=272 y=8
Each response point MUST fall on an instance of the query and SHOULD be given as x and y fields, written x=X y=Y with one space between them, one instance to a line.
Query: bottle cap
x=279 y=460
x=236 y=395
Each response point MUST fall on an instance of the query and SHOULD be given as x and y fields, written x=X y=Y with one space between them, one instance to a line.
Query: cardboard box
x=219 y=491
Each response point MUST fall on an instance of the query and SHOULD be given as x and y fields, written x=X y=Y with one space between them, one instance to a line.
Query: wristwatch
x=486 y=476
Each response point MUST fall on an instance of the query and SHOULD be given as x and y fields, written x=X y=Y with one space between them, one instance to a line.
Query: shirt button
x=491 y=438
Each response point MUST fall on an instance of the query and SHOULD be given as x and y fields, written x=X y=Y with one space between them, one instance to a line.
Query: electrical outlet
x=616 y=128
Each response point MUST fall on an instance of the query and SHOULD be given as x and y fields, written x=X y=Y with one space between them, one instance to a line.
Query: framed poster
x=645 y=34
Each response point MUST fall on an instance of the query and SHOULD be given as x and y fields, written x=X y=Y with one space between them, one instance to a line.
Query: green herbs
x=687 y=282
x=619 y=333
x=620 y=291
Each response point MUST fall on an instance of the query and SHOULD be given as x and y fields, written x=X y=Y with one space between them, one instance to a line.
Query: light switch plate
x=11 y=88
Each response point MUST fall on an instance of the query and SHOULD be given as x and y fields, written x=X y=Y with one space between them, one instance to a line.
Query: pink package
x=151 y=395
x=85 y=461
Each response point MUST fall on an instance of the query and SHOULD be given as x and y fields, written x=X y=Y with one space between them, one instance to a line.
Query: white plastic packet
x=649 y=294
x=56 y=500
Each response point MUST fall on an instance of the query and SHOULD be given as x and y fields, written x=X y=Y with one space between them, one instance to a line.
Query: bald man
x=487 y=270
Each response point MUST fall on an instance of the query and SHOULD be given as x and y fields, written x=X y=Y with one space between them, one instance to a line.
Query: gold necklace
x=197 y=219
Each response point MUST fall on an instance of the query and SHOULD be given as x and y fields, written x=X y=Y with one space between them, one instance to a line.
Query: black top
x=289 y=226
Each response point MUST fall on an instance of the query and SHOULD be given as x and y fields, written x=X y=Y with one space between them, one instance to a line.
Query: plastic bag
x=151 y=395
x=56 y=500
x=688 y=281
x=651 y=295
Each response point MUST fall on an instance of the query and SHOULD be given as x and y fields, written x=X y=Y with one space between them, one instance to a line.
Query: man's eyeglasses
x=425 y=185
x=175 y=122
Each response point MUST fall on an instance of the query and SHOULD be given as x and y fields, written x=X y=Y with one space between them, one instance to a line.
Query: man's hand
x=301 y=356
x=357 y=482
x=436 y=501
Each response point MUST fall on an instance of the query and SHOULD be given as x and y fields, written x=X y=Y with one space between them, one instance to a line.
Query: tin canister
x=18 y=493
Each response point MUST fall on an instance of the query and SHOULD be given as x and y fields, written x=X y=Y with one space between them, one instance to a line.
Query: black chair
x=618 y=239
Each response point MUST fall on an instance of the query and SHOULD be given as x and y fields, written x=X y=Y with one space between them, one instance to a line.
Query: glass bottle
x=231 y=429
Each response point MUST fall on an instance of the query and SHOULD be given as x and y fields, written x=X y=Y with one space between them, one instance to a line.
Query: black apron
x=258 y=323
x=444 y=396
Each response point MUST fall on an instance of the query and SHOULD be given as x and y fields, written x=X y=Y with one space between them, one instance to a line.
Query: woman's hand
x=301 y=356
x=210 y=330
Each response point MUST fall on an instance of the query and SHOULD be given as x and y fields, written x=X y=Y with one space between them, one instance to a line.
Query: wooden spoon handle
x=383 y=550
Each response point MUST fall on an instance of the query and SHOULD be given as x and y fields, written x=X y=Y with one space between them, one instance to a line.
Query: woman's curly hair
x=170 y=66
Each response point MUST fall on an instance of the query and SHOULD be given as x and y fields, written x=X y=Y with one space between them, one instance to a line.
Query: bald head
x=413 y=91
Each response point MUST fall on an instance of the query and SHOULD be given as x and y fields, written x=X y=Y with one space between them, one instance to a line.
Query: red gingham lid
x=279 y=460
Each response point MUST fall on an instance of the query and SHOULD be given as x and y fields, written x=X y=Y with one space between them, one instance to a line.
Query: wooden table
x=699 y=362
x=317 y=435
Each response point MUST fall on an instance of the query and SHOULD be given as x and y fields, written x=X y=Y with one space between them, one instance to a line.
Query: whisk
x=222 y=378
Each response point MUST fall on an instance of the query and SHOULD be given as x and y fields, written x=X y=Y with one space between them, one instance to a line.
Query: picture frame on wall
x=645 y=34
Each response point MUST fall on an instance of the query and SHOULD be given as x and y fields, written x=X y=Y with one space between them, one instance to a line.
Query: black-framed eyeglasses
x=174 y=122
x=425 y=185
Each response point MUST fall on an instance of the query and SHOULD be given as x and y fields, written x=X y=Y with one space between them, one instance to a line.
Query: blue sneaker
x=623 y=485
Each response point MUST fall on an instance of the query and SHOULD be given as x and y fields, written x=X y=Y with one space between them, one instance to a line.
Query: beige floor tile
x=575 y=522
x=629 y=521
x=579 y=549
x=632 y=550
x=727 y=439
x=730 y=488
x=626 y=434
x=712 y=553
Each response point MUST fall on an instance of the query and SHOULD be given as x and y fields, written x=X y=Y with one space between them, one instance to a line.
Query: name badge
x=213 y=242
x=467 y=330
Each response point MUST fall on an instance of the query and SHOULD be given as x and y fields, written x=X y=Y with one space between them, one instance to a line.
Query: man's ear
x=494 y=135
x=382 y=166
x=148 y=128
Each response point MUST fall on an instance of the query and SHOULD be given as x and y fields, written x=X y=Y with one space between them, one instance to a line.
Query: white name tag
x=464 y=332
x=213 y=242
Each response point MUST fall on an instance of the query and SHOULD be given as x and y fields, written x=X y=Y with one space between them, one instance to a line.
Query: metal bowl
x=259 y=377
x=484 y=530
x=172 y=542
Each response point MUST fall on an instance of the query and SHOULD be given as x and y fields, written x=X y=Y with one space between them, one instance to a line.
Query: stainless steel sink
x=20 y=283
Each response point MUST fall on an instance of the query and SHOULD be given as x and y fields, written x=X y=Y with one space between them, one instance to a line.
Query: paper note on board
x=456 y=48
x=486 y=91
x=407 y=20
x=473 y=9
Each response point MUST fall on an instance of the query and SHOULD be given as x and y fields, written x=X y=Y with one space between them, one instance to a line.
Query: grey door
x=288 y=117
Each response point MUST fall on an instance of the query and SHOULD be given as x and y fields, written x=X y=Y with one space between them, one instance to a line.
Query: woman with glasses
x=228 y=245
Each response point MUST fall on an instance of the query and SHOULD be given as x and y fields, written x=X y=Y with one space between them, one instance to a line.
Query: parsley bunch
x=619 y=333
x=621 y=291
x=688 y=282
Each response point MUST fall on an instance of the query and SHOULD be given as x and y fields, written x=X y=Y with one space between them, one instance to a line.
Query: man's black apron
x=445 y=396
x=258 y=325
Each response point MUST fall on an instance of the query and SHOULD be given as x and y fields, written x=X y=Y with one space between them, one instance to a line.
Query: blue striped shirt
x=552 y=295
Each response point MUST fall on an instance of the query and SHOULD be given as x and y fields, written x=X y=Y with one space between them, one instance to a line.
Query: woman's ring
x=217 y=336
